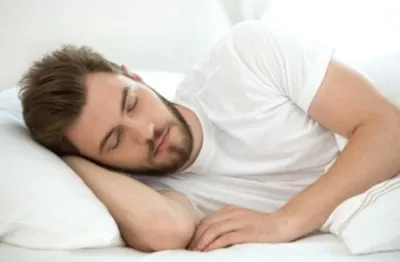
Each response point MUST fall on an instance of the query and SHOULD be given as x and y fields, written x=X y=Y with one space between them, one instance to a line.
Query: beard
x=182 y=152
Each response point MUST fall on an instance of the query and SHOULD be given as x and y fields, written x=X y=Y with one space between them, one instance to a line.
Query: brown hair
x=53 y=93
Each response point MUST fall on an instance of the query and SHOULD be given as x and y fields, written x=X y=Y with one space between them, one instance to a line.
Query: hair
x=53 y=93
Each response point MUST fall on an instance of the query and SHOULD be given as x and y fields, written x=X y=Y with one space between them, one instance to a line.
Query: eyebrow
x=109 y=133
x=124 y=98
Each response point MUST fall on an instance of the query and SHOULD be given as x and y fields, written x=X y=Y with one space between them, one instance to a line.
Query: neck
x=197 y=132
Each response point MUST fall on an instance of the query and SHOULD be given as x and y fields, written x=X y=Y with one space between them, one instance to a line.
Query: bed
x=320 y=247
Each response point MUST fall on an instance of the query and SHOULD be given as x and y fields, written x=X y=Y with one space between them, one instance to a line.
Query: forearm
x=147 y=219
x=372 y=155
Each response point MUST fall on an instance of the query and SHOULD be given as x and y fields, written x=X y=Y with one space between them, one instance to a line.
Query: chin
x=164 y=159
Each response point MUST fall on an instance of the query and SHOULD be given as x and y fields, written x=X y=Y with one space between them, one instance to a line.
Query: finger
x=131 y=74
x=210 y=227
x=228 y=239
x=124 y=68
x=136 y=77
x=206 y=222
x=216 y=230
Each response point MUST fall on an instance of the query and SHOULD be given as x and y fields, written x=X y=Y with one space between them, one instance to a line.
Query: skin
x=137 y=123
x=369 y=121
x=371 y=124
x=148 y=220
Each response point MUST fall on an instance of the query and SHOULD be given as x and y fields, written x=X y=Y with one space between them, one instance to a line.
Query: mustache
x=152 y=142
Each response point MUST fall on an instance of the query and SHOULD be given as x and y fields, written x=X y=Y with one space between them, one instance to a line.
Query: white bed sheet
x=320 y=247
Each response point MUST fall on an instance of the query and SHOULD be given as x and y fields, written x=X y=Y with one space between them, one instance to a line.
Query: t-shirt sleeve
x=294 y=66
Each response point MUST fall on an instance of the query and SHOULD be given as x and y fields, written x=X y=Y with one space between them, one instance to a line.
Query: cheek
x=158 y=111
x=85 y=139
x=130 y=150
x=160 y=106
x=176 y=136
x=128 y=155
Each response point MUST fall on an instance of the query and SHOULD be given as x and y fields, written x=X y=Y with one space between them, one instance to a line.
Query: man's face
x=127 y=126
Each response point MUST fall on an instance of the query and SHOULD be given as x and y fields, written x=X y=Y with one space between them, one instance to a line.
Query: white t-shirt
x=251 y=94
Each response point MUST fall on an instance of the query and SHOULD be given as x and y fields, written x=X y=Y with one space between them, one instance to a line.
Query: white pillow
x=44 y=203
x=369 y=222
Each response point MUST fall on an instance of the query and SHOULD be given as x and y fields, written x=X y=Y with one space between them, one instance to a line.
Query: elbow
x=173 y=236
x=160 y=236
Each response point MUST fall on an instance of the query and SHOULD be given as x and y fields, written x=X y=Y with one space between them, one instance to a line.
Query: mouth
x=162 y=142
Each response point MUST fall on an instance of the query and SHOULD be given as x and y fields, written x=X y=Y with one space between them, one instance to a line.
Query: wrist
x=288 y=226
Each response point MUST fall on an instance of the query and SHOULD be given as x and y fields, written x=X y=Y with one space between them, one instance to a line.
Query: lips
x=162 y=142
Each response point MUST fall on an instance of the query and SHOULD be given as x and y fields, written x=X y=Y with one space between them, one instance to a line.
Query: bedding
x=369 y=222
x=315 y=248
x=319 y=247
x=45 y=205
x=43 y=227
x=48 y=206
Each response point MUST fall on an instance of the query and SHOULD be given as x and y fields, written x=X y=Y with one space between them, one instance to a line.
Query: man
x=240 y=155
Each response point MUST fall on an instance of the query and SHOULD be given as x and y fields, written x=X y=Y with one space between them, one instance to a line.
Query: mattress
x=320 y=247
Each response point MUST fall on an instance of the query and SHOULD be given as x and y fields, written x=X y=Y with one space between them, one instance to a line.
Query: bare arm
x=148 y=220
x=347 y=104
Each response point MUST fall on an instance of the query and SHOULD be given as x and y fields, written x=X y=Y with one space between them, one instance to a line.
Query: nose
x=140 y=130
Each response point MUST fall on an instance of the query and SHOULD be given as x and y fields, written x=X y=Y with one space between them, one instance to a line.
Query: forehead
x=101 y=110
x=105 y=83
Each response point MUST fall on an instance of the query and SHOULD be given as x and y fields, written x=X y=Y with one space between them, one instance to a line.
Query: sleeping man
x=240 y=155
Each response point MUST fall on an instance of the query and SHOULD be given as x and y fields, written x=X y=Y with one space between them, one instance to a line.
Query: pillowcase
x=368 y=222
x=44 y=203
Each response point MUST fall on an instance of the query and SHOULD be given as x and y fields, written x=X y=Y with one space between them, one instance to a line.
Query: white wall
x=358 y=29
x=144 y=34
x=172 y=35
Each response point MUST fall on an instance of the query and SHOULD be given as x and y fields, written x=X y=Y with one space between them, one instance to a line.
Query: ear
x=131 y=74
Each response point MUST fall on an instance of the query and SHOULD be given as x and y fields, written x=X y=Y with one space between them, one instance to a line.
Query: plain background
x=172 y=35
x=168 y=35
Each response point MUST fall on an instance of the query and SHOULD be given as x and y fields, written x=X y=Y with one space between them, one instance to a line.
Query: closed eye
x=119 y=132
x=132 y=105
x=118 y=138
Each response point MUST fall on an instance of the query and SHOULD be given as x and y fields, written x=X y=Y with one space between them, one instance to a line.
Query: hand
x=232 y=225
x=133 y=75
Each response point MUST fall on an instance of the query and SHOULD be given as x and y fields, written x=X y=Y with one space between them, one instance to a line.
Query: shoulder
x=234 y=60
x=257 y=34
x=249 y=28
